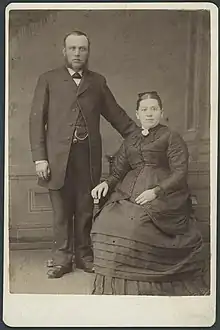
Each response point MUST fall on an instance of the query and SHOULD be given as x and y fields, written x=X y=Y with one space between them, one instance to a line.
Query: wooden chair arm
x=110 y=159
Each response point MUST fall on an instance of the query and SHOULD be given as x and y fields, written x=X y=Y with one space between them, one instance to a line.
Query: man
x=66 y=148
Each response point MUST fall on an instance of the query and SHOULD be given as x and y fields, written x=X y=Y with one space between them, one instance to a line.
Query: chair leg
x=50 y=263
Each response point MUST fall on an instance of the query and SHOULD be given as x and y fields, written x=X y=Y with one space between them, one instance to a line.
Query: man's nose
x=77 y=52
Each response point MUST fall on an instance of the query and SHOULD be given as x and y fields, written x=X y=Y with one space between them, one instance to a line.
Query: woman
x=145 y=238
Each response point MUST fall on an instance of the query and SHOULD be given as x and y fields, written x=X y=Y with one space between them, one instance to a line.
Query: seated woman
x=145 y=238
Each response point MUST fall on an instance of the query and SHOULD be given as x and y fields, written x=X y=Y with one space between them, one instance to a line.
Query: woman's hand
x=100 y=190
x=146 y=196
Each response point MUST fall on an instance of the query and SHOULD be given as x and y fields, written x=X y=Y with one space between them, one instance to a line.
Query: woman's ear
x=162 y=113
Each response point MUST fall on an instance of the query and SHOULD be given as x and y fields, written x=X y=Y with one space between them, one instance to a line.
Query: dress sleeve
x=120 y=167
x=177 y=154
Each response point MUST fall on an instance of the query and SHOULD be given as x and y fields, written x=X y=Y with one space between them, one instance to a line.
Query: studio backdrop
x=136 y=50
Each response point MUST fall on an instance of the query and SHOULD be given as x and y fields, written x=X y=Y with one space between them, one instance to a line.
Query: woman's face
x=149 y=113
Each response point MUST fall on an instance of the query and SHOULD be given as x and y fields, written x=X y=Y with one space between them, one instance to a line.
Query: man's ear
x=64 y=52
x=137 y=115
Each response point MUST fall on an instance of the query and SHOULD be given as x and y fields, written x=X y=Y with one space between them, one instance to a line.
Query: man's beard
x=70 y=65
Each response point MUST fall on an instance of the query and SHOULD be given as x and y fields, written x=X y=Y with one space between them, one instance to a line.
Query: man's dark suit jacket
x=55 y=108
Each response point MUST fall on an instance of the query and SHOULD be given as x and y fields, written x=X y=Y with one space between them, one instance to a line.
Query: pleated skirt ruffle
x=106 y=285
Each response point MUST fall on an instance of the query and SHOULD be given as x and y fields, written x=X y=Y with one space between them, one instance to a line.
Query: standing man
x=66 y=148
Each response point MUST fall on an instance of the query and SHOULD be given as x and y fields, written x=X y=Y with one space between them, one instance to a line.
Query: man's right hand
x=42 y=169
x=100 y=190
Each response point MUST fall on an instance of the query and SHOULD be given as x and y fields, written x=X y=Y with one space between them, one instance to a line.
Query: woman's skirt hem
x=107 y=285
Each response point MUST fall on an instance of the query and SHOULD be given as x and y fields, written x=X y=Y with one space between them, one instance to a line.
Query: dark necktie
x=76 y=75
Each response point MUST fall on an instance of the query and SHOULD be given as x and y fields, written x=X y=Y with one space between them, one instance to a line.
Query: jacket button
x=71 y=124
x=74 y=109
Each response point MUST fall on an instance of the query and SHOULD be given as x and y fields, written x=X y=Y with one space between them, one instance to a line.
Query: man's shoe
x=50 y=264
x=59 y=271
x=87 y=266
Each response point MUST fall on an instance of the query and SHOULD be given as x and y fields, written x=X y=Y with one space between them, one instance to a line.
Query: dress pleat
x=127 y=287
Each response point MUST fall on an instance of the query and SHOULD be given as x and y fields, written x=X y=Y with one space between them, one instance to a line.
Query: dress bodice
x=158 y=159
x=150 y=150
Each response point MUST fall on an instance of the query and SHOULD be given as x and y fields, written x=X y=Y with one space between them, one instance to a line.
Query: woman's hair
x=149 y=95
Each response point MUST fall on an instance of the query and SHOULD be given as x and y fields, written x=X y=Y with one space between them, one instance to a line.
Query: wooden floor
x=28 y=275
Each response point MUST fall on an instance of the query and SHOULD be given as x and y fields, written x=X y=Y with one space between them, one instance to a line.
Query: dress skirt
x=132 y=256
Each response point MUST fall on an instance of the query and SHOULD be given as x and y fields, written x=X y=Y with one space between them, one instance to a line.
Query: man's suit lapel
x=85 y=82
x=67 y=79
x=69 y=82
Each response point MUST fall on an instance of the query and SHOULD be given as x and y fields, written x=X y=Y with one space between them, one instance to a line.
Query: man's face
x=76 y=52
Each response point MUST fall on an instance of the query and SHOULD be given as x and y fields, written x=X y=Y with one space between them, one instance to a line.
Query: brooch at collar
x=145 y=131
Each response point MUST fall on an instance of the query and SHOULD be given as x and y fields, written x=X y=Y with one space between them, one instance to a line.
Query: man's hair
x=76 y=33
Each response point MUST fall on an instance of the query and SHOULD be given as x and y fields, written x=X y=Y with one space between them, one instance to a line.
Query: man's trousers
x=73 y=209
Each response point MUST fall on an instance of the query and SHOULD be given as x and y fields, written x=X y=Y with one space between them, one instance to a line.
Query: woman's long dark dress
x=154 y=249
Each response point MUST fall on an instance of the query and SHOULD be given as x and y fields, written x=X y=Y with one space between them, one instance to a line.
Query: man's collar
x=71 y=71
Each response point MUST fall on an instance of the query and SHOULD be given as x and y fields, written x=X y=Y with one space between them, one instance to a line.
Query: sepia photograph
x=110 y=163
